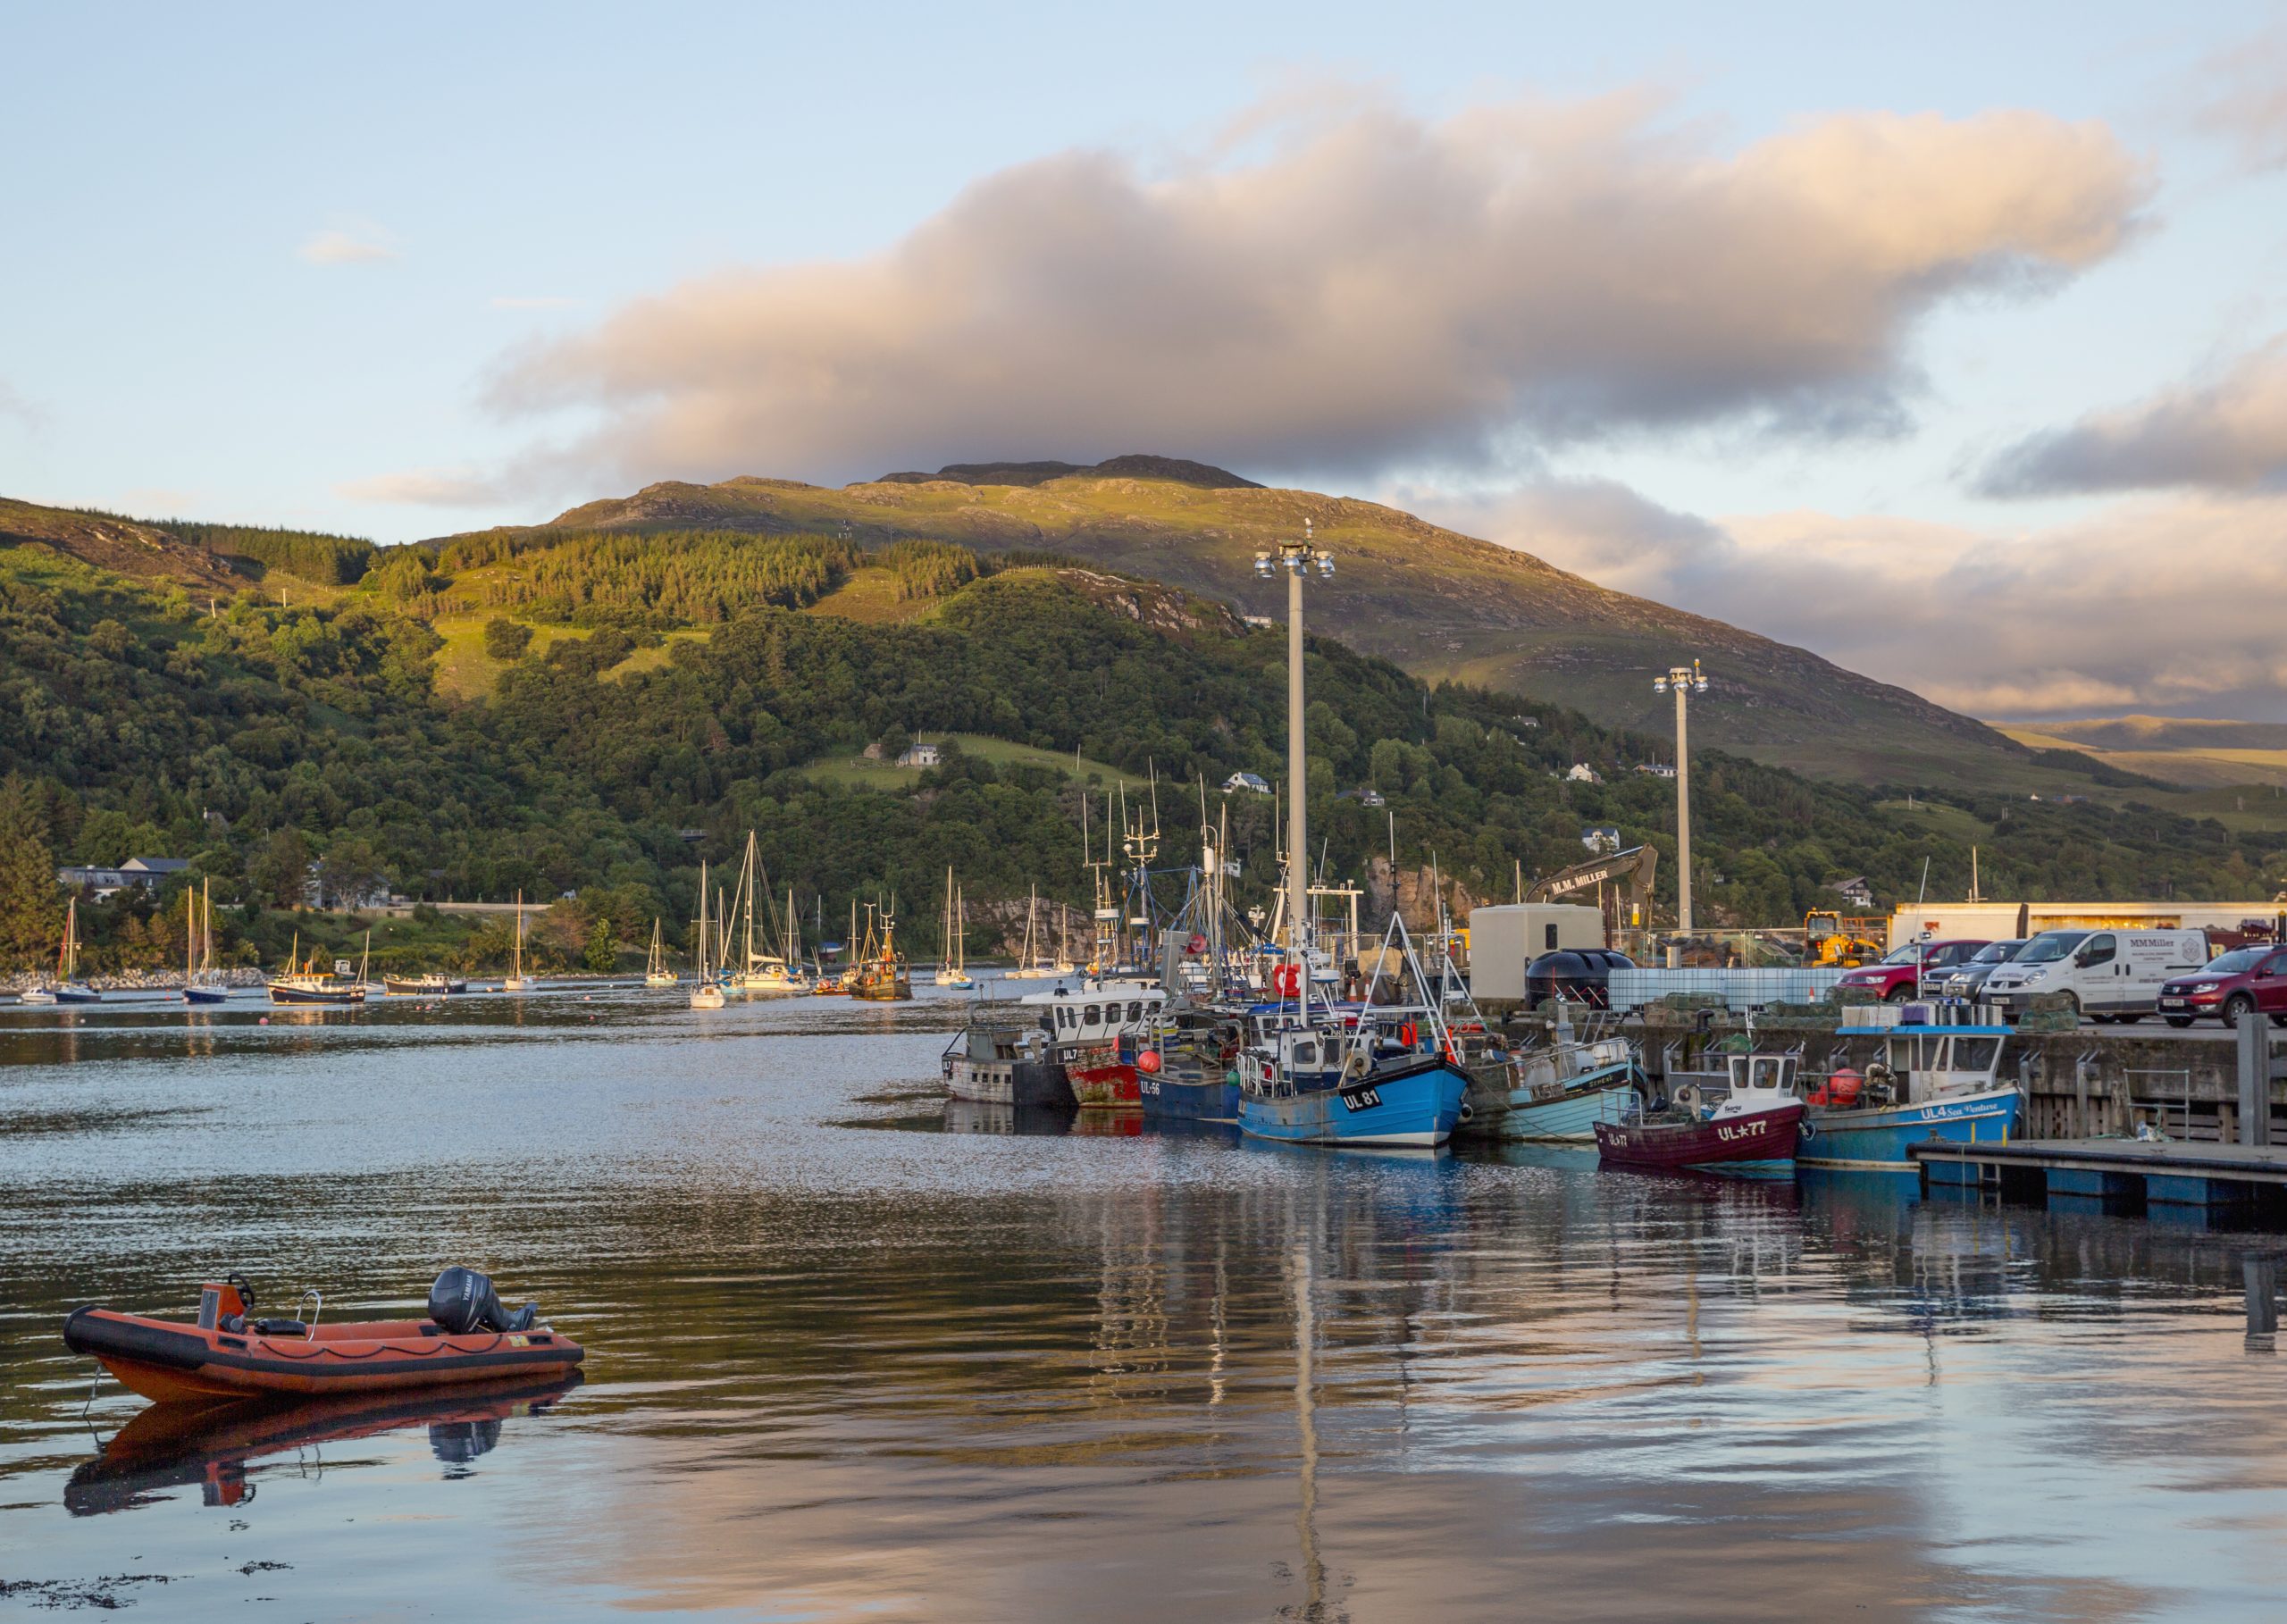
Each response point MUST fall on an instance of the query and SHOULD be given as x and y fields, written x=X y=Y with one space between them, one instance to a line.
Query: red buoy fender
x=1148 y=1062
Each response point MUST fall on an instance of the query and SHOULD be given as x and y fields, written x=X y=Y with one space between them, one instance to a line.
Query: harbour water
x=853 y=1359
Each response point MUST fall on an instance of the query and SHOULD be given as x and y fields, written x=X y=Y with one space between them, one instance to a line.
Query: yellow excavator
x=1832 y=940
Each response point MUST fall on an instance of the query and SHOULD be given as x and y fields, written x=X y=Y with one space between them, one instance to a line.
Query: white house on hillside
x=1253 y=783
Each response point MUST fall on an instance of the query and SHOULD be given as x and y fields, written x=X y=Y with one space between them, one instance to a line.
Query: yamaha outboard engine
x=463 y=1301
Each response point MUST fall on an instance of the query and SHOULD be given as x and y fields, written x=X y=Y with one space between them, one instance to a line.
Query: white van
x=2114 y=975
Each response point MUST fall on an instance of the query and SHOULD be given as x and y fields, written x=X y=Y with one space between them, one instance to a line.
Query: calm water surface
x=853 y=1357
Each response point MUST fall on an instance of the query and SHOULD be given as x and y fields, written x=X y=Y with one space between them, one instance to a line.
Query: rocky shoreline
x=129 y=981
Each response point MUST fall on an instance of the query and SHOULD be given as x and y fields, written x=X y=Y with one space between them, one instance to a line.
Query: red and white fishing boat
x=1096 y=1027
x=1754 y=1124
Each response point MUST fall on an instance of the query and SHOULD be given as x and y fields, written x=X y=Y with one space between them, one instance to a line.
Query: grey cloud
x=2074 y=620
x=2226 y=432
x=1378 y=292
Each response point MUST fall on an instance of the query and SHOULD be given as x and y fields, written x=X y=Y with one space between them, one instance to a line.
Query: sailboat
x=518 y=981
x=1034 y=966
x=655 y=973
x=305 y=983
x=765 y=973
x=954 y=971
x=198 y=983
x=68 y=988
x=708 y=994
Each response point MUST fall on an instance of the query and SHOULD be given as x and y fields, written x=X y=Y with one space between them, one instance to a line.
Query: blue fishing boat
x=1571 y=1111
x=1383 y=1071
x=1930 y=1082
x=1558 y=1093
x=1409 y=1098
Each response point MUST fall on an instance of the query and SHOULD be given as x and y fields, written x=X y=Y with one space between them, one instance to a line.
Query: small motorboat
x=431 y=985
x=227 y=1353
x=1754 y=1124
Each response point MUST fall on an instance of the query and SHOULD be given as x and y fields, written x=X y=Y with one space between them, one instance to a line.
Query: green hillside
x=613 y=754
x=1438 y=603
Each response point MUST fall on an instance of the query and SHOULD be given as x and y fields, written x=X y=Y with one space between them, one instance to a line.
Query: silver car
x=1965 y=982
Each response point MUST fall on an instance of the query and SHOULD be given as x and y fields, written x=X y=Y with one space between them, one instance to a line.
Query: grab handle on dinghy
x=310 y=1296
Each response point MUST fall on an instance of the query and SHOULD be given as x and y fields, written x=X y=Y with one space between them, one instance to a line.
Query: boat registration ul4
x=1927 y=1081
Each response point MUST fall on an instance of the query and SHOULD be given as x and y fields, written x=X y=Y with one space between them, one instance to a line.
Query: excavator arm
x=1635 y=866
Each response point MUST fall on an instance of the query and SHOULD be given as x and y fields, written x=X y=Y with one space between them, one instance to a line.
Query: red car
x=1897 y=975
x=2246 y=981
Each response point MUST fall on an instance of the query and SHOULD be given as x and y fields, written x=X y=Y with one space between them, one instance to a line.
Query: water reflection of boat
x=975 y=1117
x=177 y=1445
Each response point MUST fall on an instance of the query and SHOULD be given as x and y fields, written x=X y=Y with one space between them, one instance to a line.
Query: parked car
x=1901 y=973
x=1965 y=982
x=2246 y=981
x=2112 y=975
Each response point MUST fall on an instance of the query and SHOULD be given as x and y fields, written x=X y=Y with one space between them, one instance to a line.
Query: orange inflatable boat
x=228 y=1354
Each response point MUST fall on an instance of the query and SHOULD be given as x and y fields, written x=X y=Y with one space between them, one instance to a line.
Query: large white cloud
x=2227 y=430
x=1371 y=292
x=2161 y=603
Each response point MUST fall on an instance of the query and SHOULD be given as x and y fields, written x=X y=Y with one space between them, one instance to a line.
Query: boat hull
x=1765 y=1137
x=312 y=995
x=1027 y=1083
x=1880 y=1136
x=1169 y=1096
x=1573 y=1117
x=1416 y=1107
x=170 y=1362
x=203 y=995
x=78 y=995
x=1102 y=1078
x=421 y=985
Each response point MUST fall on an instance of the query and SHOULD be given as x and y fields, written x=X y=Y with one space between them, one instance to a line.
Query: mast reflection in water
x=852 y=1356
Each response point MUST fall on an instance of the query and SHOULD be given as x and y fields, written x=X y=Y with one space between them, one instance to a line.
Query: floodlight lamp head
x=1659 y=684
x=1326 y=566
x=1699 y=685
x=1262 y=566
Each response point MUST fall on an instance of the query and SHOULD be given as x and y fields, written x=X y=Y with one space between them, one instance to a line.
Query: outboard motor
x=463 y=1301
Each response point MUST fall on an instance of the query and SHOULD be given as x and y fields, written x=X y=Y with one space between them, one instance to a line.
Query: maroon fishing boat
x=1756 y=1123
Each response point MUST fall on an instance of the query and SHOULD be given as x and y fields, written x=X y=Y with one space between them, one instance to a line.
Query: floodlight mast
x=1687 y=681
x=1297 y=559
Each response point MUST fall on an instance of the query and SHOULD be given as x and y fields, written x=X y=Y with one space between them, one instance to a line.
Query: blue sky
x=275 y=266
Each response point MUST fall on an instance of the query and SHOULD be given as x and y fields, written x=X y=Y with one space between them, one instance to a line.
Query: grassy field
x=464 y=671
x=871 y=596
x=860 y=773
x=1952 y=822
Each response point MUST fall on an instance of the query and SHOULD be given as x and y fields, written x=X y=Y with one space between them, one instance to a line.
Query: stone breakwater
x=129 y=981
